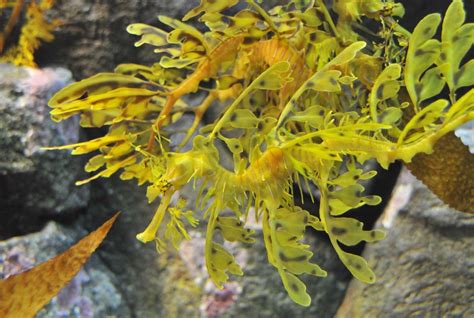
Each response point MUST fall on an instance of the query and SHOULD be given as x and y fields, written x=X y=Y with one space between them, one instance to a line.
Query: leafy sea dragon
x=306 y=102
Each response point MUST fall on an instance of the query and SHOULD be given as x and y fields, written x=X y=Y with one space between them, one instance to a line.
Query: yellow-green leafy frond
x=36 y=29
x=421 y=81
x=283 y=231
x=209 y=7
x=348 y=231
x=457 y=39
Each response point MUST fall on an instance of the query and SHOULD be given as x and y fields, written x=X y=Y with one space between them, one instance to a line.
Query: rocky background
x=425 y=266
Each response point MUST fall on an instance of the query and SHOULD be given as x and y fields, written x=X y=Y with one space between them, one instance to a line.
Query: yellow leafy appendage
x=306 y=101
x=36 y=29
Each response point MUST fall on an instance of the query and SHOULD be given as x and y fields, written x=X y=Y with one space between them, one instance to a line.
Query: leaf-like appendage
x=175 y=229
x=423 y=52
x=275 y=79
x=386 y=86
x=350 y=11
x=36 y=28
x=279 y=69
x=112 y=167
x=150 y=233
x=295 y=287
x=243 y=118
x=346 y=55
x=243 y=21
x=193 y=46
x=347 y=198
x=219 y=262
x=347 y=194
x=208 y=7
x=275 y=75
x=232 y=229
x=23 y=295
x=301 y=4
x=149 y=34
x=325 y=81
x=153 y=74
x=183 y=28
x=348 y=231
x=424 y=119
x=358 y=266
x=168 y=62
x=102 y=99
x=90 y=145
x=283 y=230
x=312 y=116
x=456 y=40
x=95 y=85
x=326 y=78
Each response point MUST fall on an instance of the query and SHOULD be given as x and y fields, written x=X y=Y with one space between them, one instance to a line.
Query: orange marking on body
x=206 y=68
x=276 y=50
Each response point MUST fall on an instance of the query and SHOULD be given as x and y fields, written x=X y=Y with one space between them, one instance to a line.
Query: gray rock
x=90 y=294
x=33 y=182
x=425 y=266
x=93 y=38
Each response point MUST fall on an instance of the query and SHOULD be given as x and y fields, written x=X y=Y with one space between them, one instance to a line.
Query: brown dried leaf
x=23 y=295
